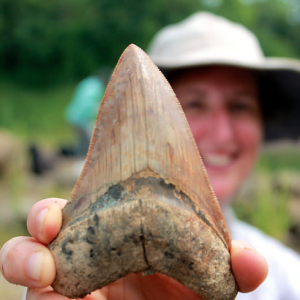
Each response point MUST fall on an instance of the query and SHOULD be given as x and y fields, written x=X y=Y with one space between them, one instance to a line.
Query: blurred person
x=234 y=98
x=83 y=108
x=220 y=75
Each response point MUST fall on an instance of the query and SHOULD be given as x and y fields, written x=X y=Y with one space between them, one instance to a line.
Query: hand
x=28 y=262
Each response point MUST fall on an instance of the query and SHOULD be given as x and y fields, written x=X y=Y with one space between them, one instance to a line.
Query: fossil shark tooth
x=143 y=202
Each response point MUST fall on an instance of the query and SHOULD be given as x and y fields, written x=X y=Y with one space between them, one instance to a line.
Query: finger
x=249 y=267
x=45 y=219
x=44 y=294
x=165 y=288
x=157 y=286
x=26 y=262
x=49 y=294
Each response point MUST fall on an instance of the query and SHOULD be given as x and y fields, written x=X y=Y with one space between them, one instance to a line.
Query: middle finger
x=26 y=262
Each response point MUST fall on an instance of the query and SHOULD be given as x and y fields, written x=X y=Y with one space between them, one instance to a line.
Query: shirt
x=283 y=280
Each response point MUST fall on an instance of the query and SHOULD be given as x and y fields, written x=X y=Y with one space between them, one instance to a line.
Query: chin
x=224 y=193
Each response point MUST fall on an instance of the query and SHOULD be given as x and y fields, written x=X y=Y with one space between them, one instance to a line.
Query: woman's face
x=222 y=107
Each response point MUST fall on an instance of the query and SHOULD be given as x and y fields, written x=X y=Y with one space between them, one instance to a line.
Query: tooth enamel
x=216 y=160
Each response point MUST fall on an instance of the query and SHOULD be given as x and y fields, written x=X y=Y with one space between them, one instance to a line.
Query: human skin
x=27 y=260
x=222 y=108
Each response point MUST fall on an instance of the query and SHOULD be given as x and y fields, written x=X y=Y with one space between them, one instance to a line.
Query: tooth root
x=143 y=201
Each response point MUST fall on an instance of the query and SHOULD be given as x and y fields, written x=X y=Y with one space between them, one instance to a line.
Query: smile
x=217 y=160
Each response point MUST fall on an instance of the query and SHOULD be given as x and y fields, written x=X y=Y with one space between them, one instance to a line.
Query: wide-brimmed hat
x=205 y=39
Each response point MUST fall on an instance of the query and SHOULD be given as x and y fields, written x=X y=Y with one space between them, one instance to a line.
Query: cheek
x=197 y=127
x=249 y=135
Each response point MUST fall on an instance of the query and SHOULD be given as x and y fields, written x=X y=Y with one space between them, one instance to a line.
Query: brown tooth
x=143 y=202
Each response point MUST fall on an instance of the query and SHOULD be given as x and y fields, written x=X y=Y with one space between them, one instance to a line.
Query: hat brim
x=280 y=79
x=223 y=58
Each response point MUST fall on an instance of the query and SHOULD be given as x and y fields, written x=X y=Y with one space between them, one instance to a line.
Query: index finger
x=45 y=219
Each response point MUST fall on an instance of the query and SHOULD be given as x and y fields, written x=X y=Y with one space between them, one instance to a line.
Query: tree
x=45 y=42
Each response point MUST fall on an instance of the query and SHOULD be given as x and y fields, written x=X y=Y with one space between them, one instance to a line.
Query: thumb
x=249 y=267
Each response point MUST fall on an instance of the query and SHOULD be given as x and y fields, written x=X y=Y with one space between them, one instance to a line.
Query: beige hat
x=206 y=39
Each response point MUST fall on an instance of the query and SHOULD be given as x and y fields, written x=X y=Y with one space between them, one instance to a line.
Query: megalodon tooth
x=143 y=202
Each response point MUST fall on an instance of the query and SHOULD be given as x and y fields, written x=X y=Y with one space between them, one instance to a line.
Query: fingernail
x=35 y=265
x=243 y=245
x=41 y=217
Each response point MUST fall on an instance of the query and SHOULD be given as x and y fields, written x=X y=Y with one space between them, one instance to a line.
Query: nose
x=221 y=129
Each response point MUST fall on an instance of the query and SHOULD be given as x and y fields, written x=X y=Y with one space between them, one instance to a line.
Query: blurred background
x=48 y=47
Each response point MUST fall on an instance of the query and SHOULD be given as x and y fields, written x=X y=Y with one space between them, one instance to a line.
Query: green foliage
x=265 y=201
x=287 y=157
x=264 y=206
x=268 y=19
x=50 y=41
x=45 y=42
x=36 y=115
x=8 y=232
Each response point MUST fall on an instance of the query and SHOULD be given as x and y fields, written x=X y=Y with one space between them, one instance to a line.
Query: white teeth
x=216 y=160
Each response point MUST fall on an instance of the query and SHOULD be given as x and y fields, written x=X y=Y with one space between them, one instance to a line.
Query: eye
x=242 y=105
x=193 y=105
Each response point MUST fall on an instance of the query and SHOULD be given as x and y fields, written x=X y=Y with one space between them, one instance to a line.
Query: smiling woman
x=222 y=107
x=233 y=100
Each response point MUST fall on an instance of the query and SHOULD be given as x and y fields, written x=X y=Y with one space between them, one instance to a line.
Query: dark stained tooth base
x=142 y=225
